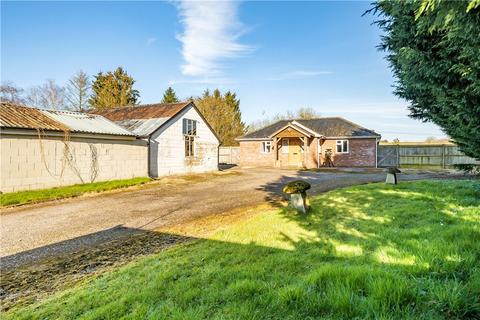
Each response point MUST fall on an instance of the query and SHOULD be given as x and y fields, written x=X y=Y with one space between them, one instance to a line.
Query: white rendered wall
x=167 y=148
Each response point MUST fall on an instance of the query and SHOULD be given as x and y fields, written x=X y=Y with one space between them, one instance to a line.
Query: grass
x=34 y=196
x=410 y=251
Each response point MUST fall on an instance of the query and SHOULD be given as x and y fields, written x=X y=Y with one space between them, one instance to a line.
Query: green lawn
x=410 y=251
x=24 y=197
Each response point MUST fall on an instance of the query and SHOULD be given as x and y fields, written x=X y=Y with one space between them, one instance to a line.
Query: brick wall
x=251 y=155
x=27 y=164
x=361 y=153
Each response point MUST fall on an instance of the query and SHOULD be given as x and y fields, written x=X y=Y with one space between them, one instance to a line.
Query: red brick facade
x=362 y=152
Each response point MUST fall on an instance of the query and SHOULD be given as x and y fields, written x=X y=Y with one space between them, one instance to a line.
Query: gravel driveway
x=42 y=230
x=48 y=247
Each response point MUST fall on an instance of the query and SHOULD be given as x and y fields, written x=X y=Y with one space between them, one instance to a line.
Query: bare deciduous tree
x=303 y=113
x=11 y=93
x=48 y=96
x=78 y=91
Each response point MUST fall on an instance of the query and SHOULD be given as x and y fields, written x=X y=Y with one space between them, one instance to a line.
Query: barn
x=47 y=148
x=180 y=140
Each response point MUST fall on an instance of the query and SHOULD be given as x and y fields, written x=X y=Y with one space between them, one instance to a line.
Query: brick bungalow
x=305 y=143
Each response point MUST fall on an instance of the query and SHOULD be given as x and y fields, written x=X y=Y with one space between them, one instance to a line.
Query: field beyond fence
x=443 y=156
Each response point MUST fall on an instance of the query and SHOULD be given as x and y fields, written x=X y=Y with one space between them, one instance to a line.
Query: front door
x=295 y=152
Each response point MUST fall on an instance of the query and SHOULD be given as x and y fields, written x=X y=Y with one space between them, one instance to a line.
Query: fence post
x=398 y=156
x=443 y=156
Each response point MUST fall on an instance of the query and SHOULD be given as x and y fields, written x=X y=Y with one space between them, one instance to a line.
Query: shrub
x=468 y=168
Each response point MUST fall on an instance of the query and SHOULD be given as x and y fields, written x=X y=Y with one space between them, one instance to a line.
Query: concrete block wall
x=27 y=163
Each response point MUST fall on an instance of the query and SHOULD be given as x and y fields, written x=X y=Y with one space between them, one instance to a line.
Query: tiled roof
x=146 y=111
x=328 y=127
x=145 y=119
x=15 y=116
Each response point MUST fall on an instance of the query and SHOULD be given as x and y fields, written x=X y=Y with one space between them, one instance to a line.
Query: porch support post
x=275 y=147
x=305 y=151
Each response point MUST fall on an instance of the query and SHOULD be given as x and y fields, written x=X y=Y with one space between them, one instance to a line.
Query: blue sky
x=276 y=56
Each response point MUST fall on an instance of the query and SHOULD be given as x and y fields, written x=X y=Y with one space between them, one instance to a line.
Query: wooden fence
x=421 y=156
x=229 y=155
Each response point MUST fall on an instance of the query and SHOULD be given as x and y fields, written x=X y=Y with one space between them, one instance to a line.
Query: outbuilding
x=48 y=148
x=180 y=140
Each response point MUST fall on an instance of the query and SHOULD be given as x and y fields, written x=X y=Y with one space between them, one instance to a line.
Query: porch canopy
x=294 y=131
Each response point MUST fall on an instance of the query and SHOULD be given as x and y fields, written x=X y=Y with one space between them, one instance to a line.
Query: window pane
x=184 y=127
x=186 y=147
x=345 y=146
x=192 y=149
x=194 y=127
x=339 y=148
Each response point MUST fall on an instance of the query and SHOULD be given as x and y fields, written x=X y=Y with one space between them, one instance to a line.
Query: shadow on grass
x=375 y=251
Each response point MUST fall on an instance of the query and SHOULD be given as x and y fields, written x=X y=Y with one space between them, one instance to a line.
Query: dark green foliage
x=297 y=186
x=223 y=114
x=170 y=96
x=113 y=89
x=468 y=168
x=434 y=51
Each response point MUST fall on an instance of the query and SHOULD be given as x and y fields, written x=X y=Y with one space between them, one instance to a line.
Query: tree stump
x=392 y=175
x=298 y=195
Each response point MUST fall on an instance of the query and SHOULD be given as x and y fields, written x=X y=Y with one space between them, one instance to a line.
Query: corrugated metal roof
x=15 y=116
x=87 y=123
x=146 y=111
x=142 y=127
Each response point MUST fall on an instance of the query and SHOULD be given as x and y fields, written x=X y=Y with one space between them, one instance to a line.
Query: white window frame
x=264 y=146
x=189 y=130
x=285 y=147
x=341 y=144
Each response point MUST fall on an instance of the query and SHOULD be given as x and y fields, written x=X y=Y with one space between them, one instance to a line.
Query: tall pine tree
x=113 y=89
x=223 y=114
x=170 y=96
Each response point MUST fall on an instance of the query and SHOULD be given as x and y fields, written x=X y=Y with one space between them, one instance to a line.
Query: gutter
x=73 y=134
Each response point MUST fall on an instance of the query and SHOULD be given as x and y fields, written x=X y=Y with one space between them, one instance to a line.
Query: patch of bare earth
x=34 y=282
x=29 y=280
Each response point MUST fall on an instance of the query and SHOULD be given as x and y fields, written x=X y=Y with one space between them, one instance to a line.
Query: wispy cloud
x=299 y=74
x=207 y=81
x=210 y=35
x=151 y=41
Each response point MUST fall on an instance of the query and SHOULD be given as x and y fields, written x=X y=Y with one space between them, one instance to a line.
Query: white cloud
x=299 y=74
x=210 y=35
x=208 y=81
x=150 y=41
